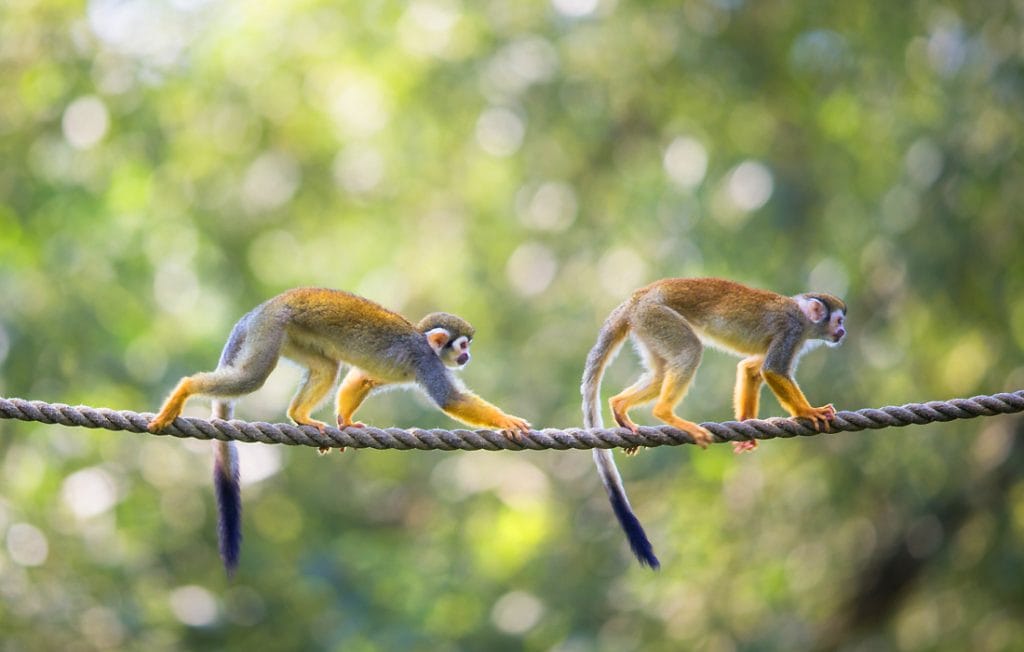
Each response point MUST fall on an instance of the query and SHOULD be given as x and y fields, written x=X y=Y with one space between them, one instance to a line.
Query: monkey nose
x=840 y=334
x=462 y=359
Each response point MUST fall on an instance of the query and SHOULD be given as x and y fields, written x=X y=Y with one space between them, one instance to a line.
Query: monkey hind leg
x=670 y=337
x=250 y=363
x=747 y=396
x=321 y=372
x=643 y=391
x=673 y=389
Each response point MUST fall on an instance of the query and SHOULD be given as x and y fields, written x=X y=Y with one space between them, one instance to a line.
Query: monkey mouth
x=462 y=359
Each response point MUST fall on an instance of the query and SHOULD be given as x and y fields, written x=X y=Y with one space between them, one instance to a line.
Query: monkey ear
x=814 y=309
x=437 y=338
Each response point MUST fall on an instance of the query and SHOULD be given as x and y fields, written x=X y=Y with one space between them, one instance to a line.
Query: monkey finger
x=512 y=433
x=514 y=428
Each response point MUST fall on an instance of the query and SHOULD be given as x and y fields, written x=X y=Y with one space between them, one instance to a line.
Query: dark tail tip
x=229 y=510
x=638 y=541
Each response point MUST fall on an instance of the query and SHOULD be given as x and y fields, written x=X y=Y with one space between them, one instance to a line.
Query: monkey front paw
x=820 y=417
x=513 y=427
x=631 y=451
x=747 y=446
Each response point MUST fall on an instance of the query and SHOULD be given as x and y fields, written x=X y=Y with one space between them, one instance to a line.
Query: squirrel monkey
x=668 y=321
x=320 y=329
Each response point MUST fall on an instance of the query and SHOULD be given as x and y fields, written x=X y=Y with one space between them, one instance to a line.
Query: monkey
x=320 y=329
x=668 y=320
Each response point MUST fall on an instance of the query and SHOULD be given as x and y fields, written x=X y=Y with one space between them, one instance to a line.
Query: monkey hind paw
x=159 y=424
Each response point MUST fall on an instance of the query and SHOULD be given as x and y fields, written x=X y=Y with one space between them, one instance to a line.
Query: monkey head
x=827 y=315
x=449 y=336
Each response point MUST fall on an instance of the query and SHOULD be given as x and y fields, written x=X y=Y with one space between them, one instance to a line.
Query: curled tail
x=613 y=334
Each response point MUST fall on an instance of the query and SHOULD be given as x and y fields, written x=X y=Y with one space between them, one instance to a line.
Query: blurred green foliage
x=168 y=164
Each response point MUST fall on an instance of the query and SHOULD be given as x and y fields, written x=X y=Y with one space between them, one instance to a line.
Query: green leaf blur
x=168 y=164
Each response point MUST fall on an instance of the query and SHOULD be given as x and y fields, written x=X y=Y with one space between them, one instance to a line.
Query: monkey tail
x=229 y=494
x=638 y=541
x=225 y=465
x=613 y=334
x=609 y=341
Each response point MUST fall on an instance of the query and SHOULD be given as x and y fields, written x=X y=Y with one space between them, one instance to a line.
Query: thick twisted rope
x=569 y=438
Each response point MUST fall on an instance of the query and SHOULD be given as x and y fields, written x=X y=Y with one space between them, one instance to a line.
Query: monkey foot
x=747 y=446
x=624 y=421
x=319 y=425
x=701 y=436
x=159 y=423
x=631 y=451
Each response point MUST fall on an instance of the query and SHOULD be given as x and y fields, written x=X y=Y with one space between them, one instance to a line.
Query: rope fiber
x=550 y=438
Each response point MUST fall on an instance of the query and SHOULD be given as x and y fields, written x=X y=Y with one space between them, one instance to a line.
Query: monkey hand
x=513 y=427
x=820 y=417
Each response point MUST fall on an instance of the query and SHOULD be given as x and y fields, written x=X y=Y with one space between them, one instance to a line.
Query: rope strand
x=550 y=438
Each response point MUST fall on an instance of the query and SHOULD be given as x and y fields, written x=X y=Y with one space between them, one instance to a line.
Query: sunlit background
x=168 y=164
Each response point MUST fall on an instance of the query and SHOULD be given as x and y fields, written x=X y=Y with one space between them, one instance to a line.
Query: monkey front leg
x=321 y=372
x=354 y=389
x=470 y=408
x=747 y=396
x=794 y=401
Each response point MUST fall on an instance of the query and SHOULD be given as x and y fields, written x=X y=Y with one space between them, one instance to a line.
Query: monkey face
x=836 y=329
x=453 y=349
x=456 y=353
x=827 y=315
